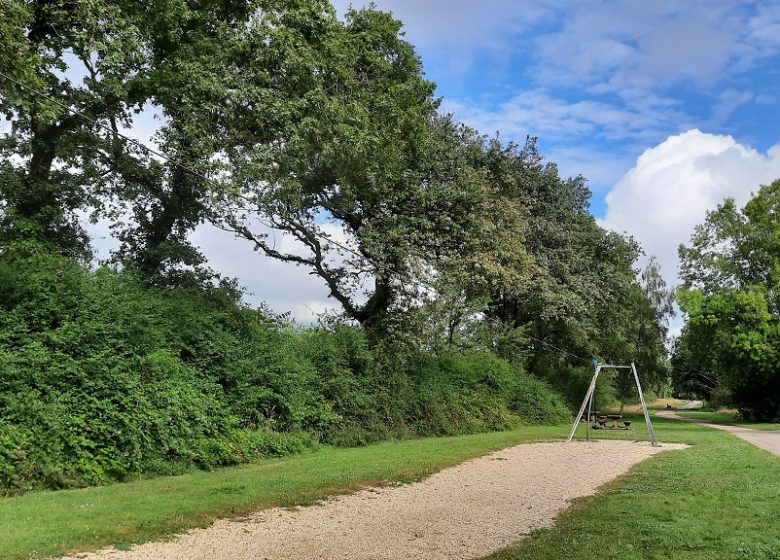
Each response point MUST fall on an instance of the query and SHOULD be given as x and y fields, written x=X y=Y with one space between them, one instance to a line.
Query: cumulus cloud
x=671 y=187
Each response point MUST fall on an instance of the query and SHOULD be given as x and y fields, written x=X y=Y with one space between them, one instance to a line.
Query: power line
x=101 y=125
x=539 y=340
x=586 y=360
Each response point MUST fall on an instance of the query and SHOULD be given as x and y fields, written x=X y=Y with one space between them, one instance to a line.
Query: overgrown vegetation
x=105 y=378
x=462 y=264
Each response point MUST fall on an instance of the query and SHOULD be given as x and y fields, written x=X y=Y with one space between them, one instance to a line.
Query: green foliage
x=731 y=342
x=572 y=384
x=105 y=378
x=365 y=150
x=280 y=113
x=478 y=391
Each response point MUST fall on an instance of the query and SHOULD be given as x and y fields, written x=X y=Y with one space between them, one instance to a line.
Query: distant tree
x=730 y=276
x=643 y=329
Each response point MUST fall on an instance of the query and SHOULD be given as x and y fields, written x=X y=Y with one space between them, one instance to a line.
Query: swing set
x=599 y=422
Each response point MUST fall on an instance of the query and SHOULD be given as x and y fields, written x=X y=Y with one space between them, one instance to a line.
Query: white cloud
x=285 y=287
x=538 y=113
x=462 y=28
x=647 y=45
x=282 y=285
x=619 y=45
x=672 y=186
x=728 y=102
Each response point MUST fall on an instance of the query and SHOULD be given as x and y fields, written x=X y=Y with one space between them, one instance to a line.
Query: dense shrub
x=103 y=378
x=478 y=391
x=572 y=384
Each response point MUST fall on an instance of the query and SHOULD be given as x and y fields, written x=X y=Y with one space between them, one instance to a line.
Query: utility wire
x=539 y=340
x=586 y=360
x=103 y=126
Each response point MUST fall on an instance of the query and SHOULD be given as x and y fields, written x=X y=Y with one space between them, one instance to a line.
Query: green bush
x=105 y=378
x=572 y=384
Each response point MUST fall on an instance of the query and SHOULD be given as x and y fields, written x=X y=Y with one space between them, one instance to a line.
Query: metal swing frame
x=588 y=401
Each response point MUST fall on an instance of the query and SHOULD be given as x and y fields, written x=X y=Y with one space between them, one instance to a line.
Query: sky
x=666 y=108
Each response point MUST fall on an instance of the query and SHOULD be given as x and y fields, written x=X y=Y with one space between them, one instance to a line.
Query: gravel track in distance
x=467 y=511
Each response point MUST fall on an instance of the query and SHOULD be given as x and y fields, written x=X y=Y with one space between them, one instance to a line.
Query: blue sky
x=600 y=82
x=666 y=108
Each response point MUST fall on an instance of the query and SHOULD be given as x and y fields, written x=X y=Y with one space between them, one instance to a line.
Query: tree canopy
x=730 y=274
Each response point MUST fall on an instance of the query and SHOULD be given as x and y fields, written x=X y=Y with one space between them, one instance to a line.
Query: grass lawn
x=720 y=499
x=660 y=404
x=51 y=523
x=727 y=418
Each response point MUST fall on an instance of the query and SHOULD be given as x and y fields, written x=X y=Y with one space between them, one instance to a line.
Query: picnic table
x=600 y=422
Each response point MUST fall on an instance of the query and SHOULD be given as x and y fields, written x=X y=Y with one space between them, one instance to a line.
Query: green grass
x=720 y=499
x=51 y=523
x=728 y=418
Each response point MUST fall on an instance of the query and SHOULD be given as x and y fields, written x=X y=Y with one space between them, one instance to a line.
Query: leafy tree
x=43 y=192
x=730 y=276
x=69 y=157
x=367 y=158
x=581 y=274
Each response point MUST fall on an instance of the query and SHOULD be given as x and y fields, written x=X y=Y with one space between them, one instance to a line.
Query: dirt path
x=765 y=439
x=693 y=405
x=467 y=511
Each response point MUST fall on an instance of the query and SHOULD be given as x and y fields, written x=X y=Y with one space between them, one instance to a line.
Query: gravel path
x=467 y=511
x=765 y=439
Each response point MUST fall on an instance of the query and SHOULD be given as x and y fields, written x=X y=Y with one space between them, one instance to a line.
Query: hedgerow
x=104 y=378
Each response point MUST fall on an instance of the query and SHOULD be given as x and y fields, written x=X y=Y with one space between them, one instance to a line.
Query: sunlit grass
x=728 y=418
x=52 y=523
x=719 y=499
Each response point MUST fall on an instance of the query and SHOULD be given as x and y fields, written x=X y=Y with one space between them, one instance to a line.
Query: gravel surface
x=467 y=511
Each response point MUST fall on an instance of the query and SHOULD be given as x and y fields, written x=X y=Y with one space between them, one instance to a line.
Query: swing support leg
x=648 y=422
x=588 y=395
x=588 y=402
